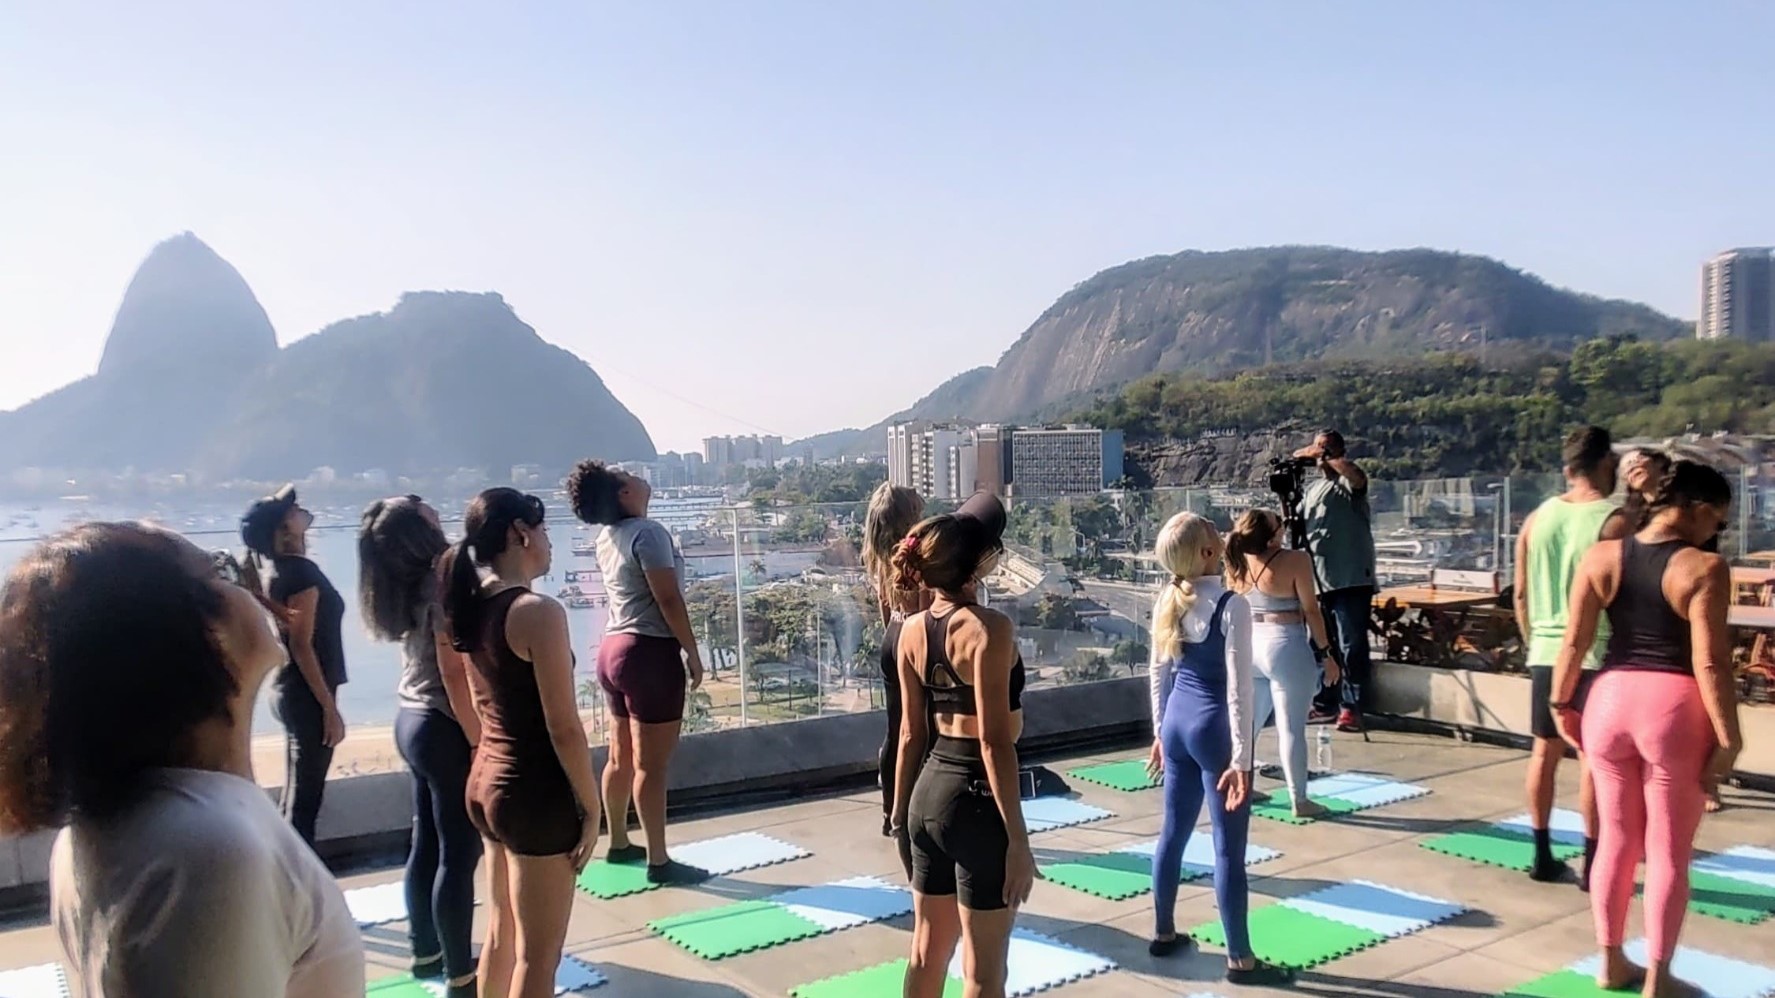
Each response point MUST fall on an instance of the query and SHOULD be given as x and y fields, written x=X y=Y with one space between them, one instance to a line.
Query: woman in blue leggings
x=1201 y=698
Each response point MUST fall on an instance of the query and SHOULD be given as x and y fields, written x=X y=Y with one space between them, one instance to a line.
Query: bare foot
x=1714 y=805
x=1619 y=973
x=1314 y=809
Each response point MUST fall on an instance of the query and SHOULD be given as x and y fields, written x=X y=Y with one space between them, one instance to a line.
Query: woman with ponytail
x=1201 y=707
x=958 y=813
x=531 y=791
x=893 y=511
x=399 y=544
x=1288 y=643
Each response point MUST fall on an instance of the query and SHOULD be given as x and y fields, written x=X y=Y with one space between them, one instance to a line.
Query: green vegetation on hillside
x=1452 y=414
x=821 y=483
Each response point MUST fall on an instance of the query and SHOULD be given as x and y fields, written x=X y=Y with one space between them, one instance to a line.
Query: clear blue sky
x=804 y=215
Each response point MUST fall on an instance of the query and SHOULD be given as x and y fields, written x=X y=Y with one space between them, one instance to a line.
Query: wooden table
x=1743 y=575
x=1425 y=598
x=1761 y=558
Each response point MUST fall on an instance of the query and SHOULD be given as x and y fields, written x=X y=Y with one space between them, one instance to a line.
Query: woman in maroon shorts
x=642 y=662
x=532 y=792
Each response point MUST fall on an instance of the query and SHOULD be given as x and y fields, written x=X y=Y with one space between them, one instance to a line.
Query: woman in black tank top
x=1659 y=727
x=532 y=793
x=958 y=815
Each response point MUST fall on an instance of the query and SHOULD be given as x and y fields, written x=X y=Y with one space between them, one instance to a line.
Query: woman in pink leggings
x=1660 y=724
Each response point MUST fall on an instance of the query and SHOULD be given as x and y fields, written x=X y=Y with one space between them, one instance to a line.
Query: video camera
x=1287 y=480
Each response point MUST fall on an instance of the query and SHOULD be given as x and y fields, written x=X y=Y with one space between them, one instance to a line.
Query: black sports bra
x=953 y=696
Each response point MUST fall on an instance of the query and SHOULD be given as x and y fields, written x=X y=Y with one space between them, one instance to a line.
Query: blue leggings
x=1198 y=746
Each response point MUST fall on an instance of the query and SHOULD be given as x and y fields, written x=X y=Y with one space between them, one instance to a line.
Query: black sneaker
x=1162 y=948
x=429 y=969
x=630 y=853
x=1260 y=975
x=674 y=873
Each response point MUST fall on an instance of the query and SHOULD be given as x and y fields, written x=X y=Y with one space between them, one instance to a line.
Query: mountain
x=953 y=399
x=442 y=380
x=1209 y=313
x=191 y=380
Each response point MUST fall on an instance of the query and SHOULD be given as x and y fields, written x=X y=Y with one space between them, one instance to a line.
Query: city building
x=1738 y=296
x=952 y=461
x=754 y=451
x=1064 y=461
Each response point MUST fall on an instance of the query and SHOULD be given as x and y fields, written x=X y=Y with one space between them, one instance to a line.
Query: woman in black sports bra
x=958 y=815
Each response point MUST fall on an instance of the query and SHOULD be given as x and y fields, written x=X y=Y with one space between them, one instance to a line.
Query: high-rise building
x=936 y=460
x=899 y=452
x=1064 y=461
x=992 y=459
x=718 y=451
x=1738 y=296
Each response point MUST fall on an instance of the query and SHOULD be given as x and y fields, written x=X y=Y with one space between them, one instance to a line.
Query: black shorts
x=957 y=837
x=1540 y=716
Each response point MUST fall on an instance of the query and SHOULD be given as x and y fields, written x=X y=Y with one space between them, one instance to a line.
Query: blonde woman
x=1201 y=700
x=1288 y=643
x=893 y=511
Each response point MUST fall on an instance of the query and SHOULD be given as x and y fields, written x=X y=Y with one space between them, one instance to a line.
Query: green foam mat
x=887 y=980
x=1129 y=775
x=403 y=986
x=1565 y=984
x=608 y=880
x=1286 y=937
x=1113 y=876
x=1280 y=808
x=1731 y=899
x=735 y=928
x=1496 y=846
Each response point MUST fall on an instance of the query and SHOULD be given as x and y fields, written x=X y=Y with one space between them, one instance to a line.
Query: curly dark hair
x=109 y=660
x=592 y=490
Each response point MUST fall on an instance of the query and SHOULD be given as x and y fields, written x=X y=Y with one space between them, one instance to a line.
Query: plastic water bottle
x=1322 y=758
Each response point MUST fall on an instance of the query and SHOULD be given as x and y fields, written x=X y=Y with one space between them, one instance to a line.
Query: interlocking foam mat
x=1127 y=872
x=1737 y=885
x=1128 y=776
x=1716 y=976
x=1341 y=793
x=720 y=857
x=45 y=980
x=731 y=929
x=1036 y=963
x=1510 y=843
x=573 y=977
x=1044 y=814
x=1334 y=922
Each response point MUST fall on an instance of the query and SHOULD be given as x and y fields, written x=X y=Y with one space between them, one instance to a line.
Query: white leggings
x=1285 y=679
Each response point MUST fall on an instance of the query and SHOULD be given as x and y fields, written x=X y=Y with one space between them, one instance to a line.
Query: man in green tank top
x=1552 y=542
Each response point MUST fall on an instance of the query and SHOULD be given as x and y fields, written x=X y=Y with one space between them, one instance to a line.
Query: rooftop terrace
x=1513 y=930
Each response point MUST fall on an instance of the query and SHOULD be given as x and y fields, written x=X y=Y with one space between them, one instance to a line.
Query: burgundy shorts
x=643 y=677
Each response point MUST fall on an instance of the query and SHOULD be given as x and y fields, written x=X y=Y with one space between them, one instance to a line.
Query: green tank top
x=1560 y=534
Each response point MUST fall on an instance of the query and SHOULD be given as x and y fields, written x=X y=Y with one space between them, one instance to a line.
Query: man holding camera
x=1340 y=538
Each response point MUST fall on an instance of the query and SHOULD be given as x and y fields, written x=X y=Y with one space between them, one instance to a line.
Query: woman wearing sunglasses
x=399 y=544
x=311 y=615
x=129 y=668
x=531 y=791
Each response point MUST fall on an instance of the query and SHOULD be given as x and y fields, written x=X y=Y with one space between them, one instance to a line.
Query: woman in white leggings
x=1288 y=640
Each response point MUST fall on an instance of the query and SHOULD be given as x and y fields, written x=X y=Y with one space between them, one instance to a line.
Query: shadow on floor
x=635 y=981
x=1313 y=983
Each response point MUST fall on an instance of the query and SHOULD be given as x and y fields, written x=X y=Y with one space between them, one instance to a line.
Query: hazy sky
x=794 y=217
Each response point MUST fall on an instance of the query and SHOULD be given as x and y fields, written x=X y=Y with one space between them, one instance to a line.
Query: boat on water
x=585 y=549
x=585 y=602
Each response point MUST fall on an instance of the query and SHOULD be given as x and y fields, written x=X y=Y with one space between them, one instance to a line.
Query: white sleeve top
x=1235 y=626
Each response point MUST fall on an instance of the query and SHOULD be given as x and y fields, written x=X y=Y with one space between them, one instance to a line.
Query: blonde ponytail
x=1186 y=547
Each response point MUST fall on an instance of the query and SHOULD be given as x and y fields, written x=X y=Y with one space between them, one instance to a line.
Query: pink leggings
x=1648 y=740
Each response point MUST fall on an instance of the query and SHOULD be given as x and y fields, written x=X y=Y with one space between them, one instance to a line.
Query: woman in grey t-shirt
x=647 y=650
x=436 y=729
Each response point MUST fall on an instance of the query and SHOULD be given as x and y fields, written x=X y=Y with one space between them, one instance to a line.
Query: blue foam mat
x=44 y=980
x=1044 y=814
x=1388 y=911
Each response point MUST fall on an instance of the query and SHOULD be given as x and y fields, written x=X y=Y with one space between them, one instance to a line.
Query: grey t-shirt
x=200 y=890
x=422 y=685
x=627 y=551
x=1339 y=534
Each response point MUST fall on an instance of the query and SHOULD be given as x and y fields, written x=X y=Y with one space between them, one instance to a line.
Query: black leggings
x=890 y=689
x=956 y=836
x=446 y=849
x=307 y=757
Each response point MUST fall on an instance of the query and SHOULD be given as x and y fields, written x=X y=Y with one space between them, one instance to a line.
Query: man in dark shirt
x=1340 y=537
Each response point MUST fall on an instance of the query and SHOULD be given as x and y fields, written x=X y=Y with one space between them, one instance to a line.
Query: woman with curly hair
x=129 y=664
x=643 y=661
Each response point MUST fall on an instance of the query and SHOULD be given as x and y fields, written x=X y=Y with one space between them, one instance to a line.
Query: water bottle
x=1322 y=758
